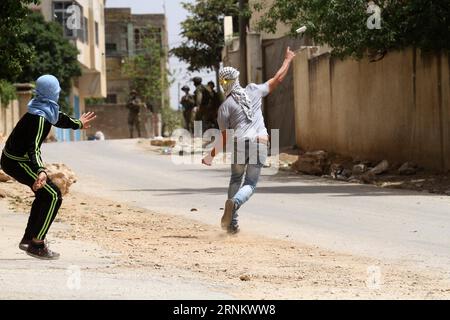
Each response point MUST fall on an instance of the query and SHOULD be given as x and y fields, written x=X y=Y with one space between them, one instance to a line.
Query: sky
x=175 y=15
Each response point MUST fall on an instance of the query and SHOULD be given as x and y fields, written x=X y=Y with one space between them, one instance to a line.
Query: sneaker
x=233 y=229
x=23 y=245
x=227 y=214
x=43 y=253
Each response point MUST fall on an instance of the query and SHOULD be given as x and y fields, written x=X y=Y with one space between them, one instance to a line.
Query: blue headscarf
x=45 y=103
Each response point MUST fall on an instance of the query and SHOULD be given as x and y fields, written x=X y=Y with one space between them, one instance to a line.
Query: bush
x=7 y=92
x=171 y=119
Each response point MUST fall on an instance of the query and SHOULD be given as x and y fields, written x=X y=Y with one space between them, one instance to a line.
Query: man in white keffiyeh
x=229 y=80
x=241 y=112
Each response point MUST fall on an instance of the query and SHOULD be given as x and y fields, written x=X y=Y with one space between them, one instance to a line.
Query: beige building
x=84 y=24
x=124 y=34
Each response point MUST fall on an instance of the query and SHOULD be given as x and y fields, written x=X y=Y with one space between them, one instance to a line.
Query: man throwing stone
x=241 y=112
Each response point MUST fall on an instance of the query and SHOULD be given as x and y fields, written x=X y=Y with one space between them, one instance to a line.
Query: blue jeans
x=249 y=160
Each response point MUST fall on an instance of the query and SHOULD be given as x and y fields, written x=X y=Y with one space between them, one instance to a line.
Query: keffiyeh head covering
x=45 y=103
x=229 y=78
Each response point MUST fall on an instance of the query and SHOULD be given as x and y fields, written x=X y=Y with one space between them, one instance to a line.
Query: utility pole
x=178 y=102
x=243 y=24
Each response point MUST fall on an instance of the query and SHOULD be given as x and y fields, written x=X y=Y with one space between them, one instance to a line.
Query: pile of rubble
x=406 y=175
x=61 y=175
x=182 y=147
x=163 y=143
x=338 y=167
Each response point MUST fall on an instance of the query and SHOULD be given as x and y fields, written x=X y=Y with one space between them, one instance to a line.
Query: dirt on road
x=248 y=266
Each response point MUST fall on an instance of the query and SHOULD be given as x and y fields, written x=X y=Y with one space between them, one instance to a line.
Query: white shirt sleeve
x=223 y=117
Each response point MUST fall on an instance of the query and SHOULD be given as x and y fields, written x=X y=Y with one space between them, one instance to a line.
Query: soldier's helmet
x=185 y=88
x=133 y=92
x=197 y=81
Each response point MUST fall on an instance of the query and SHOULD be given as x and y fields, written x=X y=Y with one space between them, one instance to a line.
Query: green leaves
x=13 y=53
x=203 y=30
x=145 y=69
x=342 y=24
x=30 y=47
x=52 y=54
x=7 y=92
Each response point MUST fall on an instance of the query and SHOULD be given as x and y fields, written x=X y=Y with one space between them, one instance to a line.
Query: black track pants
x=45 y=205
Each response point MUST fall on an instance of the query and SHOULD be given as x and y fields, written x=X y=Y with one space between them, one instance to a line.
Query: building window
x=111 y=98
x=137 y=38
x=71 y=19
x=147 y=33
x=111 y=48
x=85 y=37
x=96 y=33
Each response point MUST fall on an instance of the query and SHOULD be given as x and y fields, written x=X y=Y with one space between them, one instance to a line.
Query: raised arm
x=67 y=122
x=281 y=74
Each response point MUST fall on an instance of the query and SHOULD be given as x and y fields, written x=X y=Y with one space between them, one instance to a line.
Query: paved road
x=389 y=224
x=80 y=273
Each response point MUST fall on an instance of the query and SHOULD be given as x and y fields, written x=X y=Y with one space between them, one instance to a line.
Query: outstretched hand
x=290 y=55
x=86 y=118
x=281 y=74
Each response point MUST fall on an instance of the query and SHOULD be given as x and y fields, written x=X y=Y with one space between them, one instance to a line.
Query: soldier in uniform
x=134 y=107
x=215 y=102
x=202 y=98
x=188 y=104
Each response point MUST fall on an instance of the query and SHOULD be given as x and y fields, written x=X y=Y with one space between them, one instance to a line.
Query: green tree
x=53 y=54
x=204 y=34
x=14 y=54
x=146 y=68
x=7 y=92
x=342 y=24
x=149 y=76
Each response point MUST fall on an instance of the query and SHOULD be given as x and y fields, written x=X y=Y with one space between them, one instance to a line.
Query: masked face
x=47 y=86
x=227 y=85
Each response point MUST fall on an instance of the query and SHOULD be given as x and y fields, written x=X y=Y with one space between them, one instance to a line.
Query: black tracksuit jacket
x=24 y=143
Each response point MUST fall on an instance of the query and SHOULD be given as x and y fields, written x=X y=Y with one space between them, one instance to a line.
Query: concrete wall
x=231 y=54
x=112 y=120
x=281 y=30
x=9 y=115
x=396 y=109
x=254 y=58
x=279 y=106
